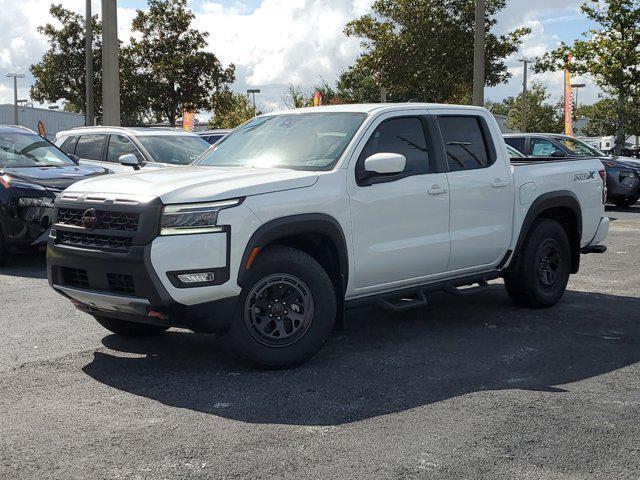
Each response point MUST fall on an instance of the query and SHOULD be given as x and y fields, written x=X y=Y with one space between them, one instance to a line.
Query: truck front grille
x=91 y=240
x=74 y=277
x=119 y=283
x=106 y=219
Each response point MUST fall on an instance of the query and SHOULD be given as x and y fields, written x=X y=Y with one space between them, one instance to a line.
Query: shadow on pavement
x=385 y=363
x=27 y=265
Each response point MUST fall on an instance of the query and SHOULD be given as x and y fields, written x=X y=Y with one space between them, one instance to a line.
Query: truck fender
x=309 y=223
x=547 y=201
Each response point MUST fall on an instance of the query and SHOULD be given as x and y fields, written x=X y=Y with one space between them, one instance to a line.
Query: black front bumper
x=127 y=283
x=617 y=190
x=107 y=270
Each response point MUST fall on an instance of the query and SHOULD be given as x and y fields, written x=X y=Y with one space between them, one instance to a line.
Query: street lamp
x=525 y=64
x=577 y=86
x=253 y=91
x=15 y=77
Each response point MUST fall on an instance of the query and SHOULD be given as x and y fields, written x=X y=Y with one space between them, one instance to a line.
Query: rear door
x=91 y=149
x=481 y=191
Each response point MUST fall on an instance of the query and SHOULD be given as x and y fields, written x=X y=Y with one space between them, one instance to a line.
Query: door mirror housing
x=130 y=160
x=385 y=163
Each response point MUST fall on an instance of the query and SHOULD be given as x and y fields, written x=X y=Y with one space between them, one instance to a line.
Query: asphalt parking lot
x=466 y=388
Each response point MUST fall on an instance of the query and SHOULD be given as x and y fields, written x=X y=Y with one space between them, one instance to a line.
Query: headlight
x=193 y=217
x=35 y=202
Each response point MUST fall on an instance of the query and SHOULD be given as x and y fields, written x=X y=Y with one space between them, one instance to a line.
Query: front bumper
x=619 y=190
x=121 y=268
x=125 y=286
x=25 y=227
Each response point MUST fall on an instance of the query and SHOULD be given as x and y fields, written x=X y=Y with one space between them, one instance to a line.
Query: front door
x=400 y=223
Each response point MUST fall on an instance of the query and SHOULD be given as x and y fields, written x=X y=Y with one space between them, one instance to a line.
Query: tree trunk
x=620 y=114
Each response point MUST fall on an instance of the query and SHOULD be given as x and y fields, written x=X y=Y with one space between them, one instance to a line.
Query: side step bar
x=417 y=296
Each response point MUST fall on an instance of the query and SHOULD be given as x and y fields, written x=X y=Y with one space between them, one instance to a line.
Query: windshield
x=29 y=150
x=174 y=149
x=578 y=147
x=307 y=141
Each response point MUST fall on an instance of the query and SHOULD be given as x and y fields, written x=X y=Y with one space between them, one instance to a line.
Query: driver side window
x=543 y=148
x=404 y=136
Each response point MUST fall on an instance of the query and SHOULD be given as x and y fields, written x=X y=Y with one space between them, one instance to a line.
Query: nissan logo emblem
x=89 y=219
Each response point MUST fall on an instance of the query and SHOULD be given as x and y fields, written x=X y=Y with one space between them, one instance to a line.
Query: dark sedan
x=33 y=172
x=623 y=173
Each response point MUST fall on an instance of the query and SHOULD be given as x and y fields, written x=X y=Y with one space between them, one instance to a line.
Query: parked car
x=299 y=214
x=113 y=147
x=623 y=173
x=33 y=172
x=214 y=136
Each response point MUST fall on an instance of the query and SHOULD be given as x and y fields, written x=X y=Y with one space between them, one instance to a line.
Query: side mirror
x=74 y=157
x=385 y=163
x=557 y=154
x=130 y=160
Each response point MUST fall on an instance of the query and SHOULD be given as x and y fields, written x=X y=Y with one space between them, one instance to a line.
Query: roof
x=215 y=131
x=555 y=135
x=15 y=129
x=371 y=107
x=134 y=131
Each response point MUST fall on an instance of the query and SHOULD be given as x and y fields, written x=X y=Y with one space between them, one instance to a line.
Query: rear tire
x=625 y=203
x=129 y=329
x=540 y=274
x=286 y=311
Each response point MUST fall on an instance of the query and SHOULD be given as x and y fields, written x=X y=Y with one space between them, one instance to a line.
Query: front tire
x=129 y=329
x=286 y=311
x=540 y=274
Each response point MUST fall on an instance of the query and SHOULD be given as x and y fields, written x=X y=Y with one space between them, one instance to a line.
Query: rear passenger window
x=90 y=146
x=465 y=142
x=515 y=142
x=69 y=145
x=399 y=135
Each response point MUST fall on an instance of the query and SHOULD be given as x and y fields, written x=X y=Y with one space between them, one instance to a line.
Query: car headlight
x=35 y=202
x=193 y=218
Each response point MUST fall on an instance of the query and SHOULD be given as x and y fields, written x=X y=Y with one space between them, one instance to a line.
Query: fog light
x=200 y=277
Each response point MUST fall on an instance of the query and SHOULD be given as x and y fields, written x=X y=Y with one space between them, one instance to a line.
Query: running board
x=417 y=297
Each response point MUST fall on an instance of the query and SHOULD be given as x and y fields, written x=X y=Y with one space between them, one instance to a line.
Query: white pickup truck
x=297 y=215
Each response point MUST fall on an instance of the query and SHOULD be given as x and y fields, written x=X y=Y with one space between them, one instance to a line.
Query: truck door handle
x=497 y=183
x=437 y=190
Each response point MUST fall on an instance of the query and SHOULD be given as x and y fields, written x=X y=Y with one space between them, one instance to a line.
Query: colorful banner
x=41 y=130
x=317 y=99
x=187 y=120
x=568 y=99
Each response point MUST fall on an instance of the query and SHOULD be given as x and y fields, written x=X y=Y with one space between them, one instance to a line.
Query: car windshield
x=174 y=149
x=29 y=150
x=578 y=147
x=306 y=141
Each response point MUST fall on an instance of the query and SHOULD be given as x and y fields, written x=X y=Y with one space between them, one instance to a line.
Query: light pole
x=478 y=55
x=577 y=86
x=88 y=65
x=15 y=77
x=110 y=68
x=253 y=91
x=525 y=64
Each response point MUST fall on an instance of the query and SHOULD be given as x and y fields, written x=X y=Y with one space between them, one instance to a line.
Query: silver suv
x=120 y=149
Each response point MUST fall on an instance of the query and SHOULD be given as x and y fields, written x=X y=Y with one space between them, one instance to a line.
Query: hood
x=622 y=161
x=58 y=177
x=195 y=184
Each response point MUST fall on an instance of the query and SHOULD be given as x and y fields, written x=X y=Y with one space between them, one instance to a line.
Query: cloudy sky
x=276 y=42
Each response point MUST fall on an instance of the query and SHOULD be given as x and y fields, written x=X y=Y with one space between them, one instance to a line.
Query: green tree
x=542 y=115
x=60 y=75
x=423 y=49
x=609 y=54
x=230 y=109
x=602 y=117
x=295 y=97
x=177 y=73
